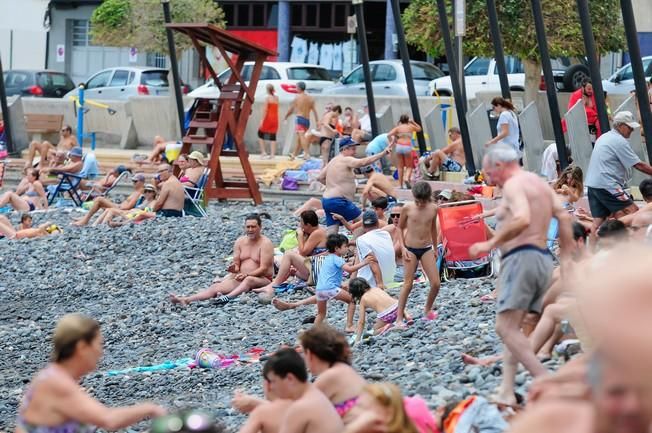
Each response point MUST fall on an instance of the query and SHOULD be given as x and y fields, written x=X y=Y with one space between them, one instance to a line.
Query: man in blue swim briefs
x=303 y=104
x=339 y=178
x=524 y=216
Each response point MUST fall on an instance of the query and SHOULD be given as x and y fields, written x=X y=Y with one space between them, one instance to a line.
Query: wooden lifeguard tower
x=216 y=119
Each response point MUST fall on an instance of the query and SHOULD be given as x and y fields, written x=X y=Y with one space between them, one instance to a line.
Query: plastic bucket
x=172 y=151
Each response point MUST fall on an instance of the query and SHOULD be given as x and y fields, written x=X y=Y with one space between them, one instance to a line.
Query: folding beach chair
x=194 y=203
x=124 y=175
x=458 y=234
x=70 y=182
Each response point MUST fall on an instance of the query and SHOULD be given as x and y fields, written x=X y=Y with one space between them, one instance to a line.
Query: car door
x=117 y=88
x=352 y=84
x=477 y=76
x=385 y=80
x=97 y=84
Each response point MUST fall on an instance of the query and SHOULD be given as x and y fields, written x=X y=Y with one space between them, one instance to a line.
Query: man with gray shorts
x=523 y=215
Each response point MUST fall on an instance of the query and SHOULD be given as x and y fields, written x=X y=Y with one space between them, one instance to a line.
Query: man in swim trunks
x=171 y=198
x=252 y=267
x=451 y=157
x=66 y=142
x=524 y=216
x=303 y=104
x=339 y=178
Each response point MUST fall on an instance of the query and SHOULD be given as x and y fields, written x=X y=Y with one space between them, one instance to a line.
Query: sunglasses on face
x=395 y=215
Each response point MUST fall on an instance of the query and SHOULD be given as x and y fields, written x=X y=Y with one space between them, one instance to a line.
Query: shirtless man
x=311 y=240
x=30 y=196
x=417 y=233
x=642 y=218
x=524 y=216
x=303 y=105
x=252 y=267
x=172 y=196
x=74 y=165
x=25 y=230
x=451 y=157
x=339 y=178
x=310 y=410
x=268 y=414
x=103 y=203
x=158 y=150
x=66 y=142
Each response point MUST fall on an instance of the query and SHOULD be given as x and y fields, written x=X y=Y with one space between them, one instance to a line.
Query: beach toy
x=172 y=151
x=207 y=358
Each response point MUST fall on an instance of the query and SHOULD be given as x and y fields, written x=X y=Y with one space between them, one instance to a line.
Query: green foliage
x=139 y=23
x=563 y=30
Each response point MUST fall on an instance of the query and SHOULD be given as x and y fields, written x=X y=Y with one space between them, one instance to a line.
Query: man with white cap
x=609 y=169
x=339 y=178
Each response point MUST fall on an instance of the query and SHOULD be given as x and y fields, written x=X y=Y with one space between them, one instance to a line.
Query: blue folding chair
x=194 y=202
x=70 y=182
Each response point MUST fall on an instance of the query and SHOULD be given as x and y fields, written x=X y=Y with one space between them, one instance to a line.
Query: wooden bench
x=39 y=124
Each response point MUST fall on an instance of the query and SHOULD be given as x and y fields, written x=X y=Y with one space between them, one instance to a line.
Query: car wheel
x=574 y=76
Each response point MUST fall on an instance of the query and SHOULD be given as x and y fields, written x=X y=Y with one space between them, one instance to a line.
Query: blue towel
x=167 y=365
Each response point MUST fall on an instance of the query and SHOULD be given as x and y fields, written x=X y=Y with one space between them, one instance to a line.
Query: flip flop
x=307 y=320
x=222 y=300
x=432 y=315
x=488 y=299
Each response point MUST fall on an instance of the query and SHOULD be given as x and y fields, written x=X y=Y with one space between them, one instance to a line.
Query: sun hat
x=138 y=177
x=197 y=156
x=76 y=151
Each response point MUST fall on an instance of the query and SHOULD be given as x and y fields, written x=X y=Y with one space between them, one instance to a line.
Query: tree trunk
x=532 y=80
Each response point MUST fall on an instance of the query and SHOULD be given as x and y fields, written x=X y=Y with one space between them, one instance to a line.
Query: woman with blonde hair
x=55 y=402
x=381 y=408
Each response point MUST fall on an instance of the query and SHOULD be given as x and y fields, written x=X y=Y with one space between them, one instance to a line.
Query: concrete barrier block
x=129 y=136
x=480 y=133
x=533 y=142
x=579 y=139
x=19 y=136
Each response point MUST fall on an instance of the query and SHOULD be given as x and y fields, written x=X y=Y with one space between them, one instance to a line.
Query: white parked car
x=122 y=82
x=283 y=75
x=481 y=74
x=622 y=82
x=387 y=78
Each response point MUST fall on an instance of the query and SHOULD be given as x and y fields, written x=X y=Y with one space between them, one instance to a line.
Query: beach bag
x=298 y=175
x=289 y=184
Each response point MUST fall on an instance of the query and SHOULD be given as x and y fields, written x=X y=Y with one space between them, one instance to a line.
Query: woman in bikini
x=31 y=198
x=192 y=167
x=269 y=125
x=402 y=134
x=328 y=356
x=570 y=185
x=56 y=402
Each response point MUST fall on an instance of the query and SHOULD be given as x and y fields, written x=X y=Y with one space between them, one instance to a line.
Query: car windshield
x=155 y=78
x=308 y=74
x=424 y=71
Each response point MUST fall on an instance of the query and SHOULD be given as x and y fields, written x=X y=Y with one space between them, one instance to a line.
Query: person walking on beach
x=269 y=125
x=56 y=402
x=302 y=105
x=524 y=216
x=402 y=135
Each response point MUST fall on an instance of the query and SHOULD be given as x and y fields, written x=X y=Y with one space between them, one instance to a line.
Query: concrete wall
x=22 y=36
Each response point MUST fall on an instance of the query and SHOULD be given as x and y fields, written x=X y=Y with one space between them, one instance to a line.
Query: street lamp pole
x=5 y=111
x=364 y=59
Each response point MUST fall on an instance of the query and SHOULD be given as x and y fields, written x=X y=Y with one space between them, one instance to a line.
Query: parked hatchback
x=40 y=83
x=388 y=78
x=123 y=82
x=622 y=82
x=284 y=76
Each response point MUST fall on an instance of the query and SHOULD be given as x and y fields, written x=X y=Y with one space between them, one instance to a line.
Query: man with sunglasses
x=67 y=141
x=609 y=169
x=171 y=198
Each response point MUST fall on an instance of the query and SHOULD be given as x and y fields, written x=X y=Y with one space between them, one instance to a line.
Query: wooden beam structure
x=214 y=120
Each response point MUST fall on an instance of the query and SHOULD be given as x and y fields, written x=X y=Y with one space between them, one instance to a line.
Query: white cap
x=627 y=118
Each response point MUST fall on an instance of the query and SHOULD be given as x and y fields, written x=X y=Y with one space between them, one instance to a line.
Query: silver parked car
x=388 y=78
x=622 y=82
x=123 y=82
